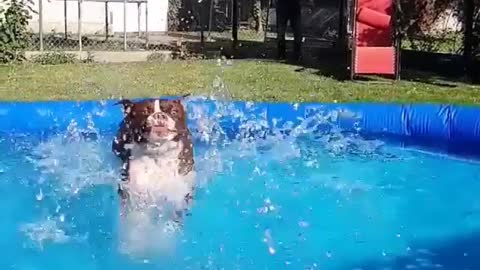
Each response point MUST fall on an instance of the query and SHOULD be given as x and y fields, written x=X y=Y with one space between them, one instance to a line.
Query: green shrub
x=14 y=34
x=54 y=58
x=158 y=57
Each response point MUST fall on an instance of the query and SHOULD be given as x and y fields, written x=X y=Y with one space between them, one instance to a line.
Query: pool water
x=304 y=201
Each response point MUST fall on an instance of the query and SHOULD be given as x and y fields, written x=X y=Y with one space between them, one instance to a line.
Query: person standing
x=289 y=11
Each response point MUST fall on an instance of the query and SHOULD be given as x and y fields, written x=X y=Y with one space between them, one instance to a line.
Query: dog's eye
x=174 y=113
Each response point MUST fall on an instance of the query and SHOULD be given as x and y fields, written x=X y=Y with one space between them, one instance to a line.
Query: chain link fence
x=434 y=27
x=100 y=25
x=185 y=26
x=116 y=25
x=321 y=22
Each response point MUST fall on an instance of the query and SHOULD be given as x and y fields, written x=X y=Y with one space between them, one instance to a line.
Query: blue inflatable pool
x=280 y=186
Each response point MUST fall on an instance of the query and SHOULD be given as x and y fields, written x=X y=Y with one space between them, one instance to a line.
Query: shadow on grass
x=460 y=253
x=432 y=78
x=325 y=58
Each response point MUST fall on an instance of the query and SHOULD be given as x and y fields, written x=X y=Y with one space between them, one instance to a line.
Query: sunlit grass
x=245 y=80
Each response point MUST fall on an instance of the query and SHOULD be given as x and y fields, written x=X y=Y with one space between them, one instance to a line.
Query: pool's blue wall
x=455 y=127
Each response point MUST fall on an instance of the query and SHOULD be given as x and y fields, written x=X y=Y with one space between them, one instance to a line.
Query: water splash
x=142 y=236
x=74 y=160
x=80 y=159
x=47 y=231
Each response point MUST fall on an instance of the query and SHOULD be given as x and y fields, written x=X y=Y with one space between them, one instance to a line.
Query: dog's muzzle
x=158 y=124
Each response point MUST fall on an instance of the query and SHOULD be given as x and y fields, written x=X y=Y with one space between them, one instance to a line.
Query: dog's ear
x=126 y=106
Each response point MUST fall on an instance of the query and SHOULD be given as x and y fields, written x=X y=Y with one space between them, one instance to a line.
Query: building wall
x=93 y=16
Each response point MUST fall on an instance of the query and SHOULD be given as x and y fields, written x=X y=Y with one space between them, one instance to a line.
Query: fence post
x=65 y=22
x=80 y=25
x=235 y=23
x=146 y=24
x=201 y=19
x=124 y=25
x=40 y=23
x=267 y=21
x=106 y=20
x=210 y=17
x=341 y=22
x=139 y=11
x=468 y=34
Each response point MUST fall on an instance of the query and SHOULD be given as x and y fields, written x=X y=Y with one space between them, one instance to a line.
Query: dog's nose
x=159 y=119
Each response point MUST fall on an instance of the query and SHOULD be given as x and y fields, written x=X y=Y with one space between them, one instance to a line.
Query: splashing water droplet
x=269 y=242
x=39 y=196
x=303 y=224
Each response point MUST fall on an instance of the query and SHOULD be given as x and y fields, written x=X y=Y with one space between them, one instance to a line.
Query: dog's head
x=154 y=120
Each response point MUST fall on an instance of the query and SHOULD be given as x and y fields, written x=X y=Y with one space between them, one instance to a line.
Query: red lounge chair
x=375 y=46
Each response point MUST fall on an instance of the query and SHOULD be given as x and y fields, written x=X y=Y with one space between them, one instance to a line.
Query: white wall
x=93 y=16
x=157 y=16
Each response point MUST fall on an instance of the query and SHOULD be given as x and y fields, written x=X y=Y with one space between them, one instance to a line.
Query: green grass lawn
x=244 y=80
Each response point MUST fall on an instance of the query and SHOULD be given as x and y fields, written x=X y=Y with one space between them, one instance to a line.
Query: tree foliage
x=418 y=16
x=476 y=29
x=173 y=16
x=14 y=34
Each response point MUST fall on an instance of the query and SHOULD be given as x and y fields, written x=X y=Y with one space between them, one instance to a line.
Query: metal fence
x=96 y=25
x=444 y=34
x=321 y=21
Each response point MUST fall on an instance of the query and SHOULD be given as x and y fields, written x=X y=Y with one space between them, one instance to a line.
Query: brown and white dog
x=155 y=146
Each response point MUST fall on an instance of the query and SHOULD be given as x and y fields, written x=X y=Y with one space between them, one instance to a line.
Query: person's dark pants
x=289 y=12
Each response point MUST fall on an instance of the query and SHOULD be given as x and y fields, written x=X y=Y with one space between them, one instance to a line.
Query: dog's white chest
x=154 y=173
